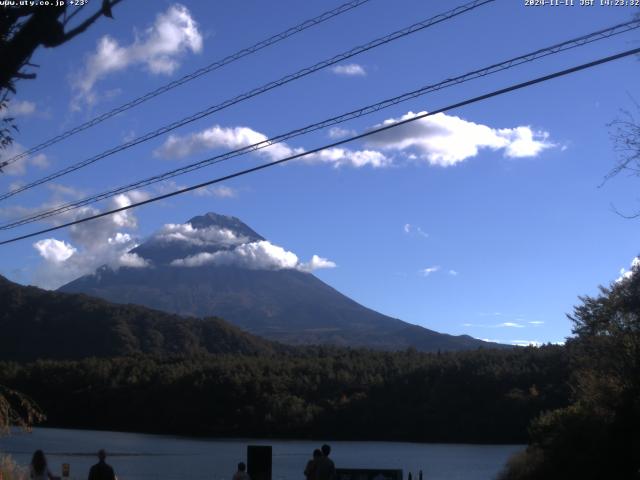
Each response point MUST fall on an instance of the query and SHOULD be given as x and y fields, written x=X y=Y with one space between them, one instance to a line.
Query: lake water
x=150 y=457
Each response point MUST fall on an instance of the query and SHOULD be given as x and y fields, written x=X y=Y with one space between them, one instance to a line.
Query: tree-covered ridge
x=475 y=396
x=41 y=324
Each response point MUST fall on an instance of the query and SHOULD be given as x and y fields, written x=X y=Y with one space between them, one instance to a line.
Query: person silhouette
x=38 y=469
x=310 y=469
x=241 y=474
x=325 y=468
x=101 y=471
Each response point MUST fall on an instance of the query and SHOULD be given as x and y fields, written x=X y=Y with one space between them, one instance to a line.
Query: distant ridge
x=286 y=304
x=38 y=324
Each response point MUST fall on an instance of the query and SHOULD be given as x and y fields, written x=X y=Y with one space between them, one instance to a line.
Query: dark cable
x=529 y=57
x=191 y=76
x=257 y=91
x=463 y=103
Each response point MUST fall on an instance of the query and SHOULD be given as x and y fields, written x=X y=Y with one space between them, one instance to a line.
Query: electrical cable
x=312 y=22
x=416 y=27
x=507 y=64
x=480 y=98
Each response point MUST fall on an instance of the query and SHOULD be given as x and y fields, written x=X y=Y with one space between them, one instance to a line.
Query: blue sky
x=497 y=243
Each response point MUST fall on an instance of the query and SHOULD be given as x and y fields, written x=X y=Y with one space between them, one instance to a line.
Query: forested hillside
x=480 y=396
x=39 y=324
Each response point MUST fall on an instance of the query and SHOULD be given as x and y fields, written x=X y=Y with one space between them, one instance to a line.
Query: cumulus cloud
x=159 y=49
x=233 y=138
x=20 y=167
x=92 y=244
x=339 y=157
x=349 y=70
x=202 y=237
x=53 y=250
x=440 y=139
x=453 y=273
x=236 y=250
x=261 y=255
x=446 y=140
x=317 y=263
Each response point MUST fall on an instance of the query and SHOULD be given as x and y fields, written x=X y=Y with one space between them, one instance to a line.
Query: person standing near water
x=310 y=469
x=38 y=469
x=241 y=474
x=325 y=468
x=101 y=471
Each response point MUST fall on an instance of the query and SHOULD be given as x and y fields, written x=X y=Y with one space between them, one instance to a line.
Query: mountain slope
x=204 y=268
x=39 y=324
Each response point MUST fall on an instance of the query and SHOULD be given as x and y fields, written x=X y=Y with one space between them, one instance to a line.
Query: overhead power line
x=369 y=133
x=416 y=27
x=497 y=67
x=312 y=22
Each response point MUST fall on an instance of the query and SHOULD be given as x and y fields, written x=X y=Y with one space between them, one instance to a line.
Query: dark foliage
x=40 y=324
x=124 y=367
x=25 y=28
x=479 y=396
x=598 y=435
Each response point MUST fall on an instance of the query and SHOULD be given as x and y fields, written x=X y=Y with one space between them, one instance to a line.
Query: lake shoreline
x=142 y=456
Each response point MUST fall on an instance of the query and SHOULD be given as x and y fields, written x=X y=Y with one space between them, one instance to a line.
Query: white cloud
x=261 y=255
x=407 y=228
x=231 y=138
x=235 y=250
x=496 y=325
x=536 y=322
x=317 y=263
x=509 y=325
x=158 y=48
x=18 y=108
x=526 y=343
x=429 y=270
x=453 y=273
x=626 y=274
x=446 y=140
x=53 y=250
x=185 y=232
x=439 y=140
x=337 y=132
x=20 y=167
x=353 y=158
x=92 y=244
x=349 y=70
